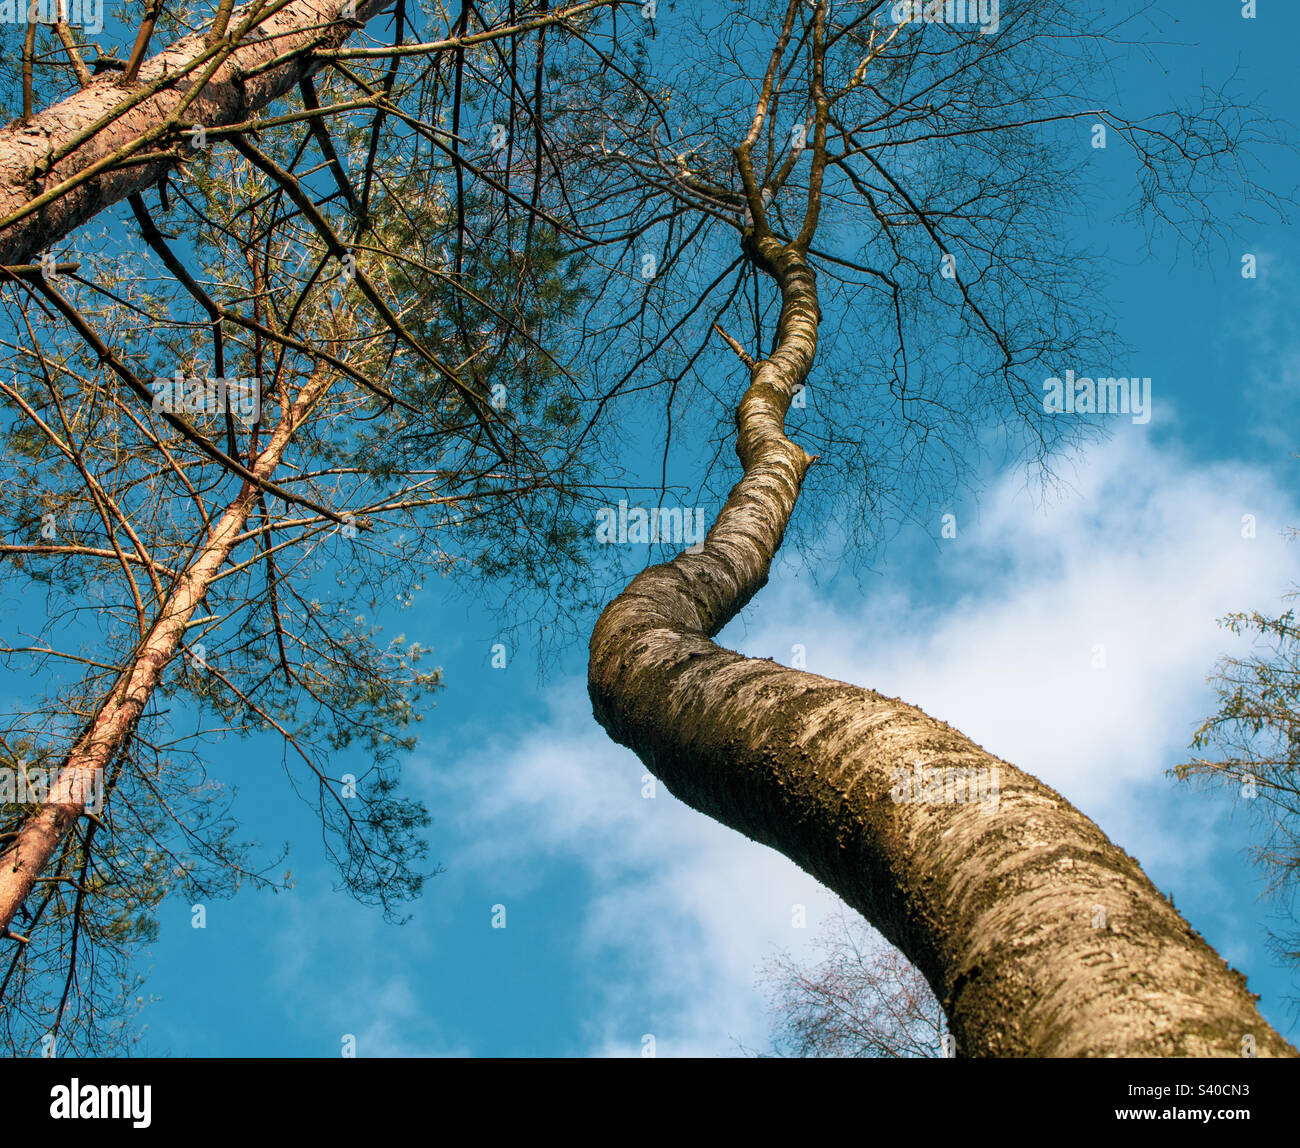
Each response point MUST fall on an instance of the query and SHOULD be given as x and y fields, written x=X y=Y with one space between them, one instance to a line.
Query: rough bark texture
x=31 y=851
x=235 y=91
x=999 y=910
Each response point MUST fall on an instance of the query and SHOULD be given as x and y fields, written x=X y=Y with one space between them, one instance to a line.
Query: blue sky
x=629 y=915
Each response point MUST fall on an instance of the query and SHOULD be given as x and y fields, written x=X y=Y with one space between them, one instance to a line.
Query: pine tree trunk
x=75 y=785
x=234 y=92
x=1039 y=936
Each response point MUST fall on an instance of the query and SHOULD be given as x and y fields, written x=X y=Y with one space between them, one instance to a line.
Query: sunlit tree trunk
x=1039 y=936
x=72 y=160
x=30 y=852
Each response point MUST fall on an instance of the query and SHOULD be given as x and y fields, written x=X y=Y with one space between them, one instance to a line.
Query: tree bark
x=40 y=835
x=1038 y=935
x=234 y=91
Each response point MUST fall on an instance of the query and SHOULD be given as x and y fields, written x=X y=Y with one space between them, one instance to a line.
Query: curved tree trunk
x=1039 y=936
x=240 y=86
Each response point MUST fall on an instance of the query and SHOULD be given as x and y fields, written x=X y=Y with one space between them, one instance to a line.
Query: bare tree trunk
x=42 y=160
x=39 y=837
x=1040 y=937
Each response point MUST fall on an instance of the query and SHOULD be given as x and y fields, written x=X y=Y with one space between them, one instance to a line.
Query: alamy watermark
x=88 y=13
x=1100 y=396
x=190 y=394
x=655 y=524
x=985 y=13
x=77 y=1101
x=946 y=785
x=23 y=784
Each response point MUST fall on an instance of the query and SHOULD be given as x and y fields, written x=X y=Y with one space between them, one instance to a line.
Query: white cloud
x=687 y=906
x=1132 y=568
x=346 y=981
